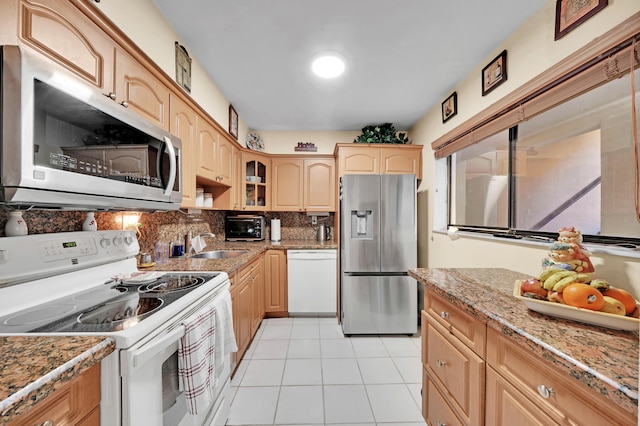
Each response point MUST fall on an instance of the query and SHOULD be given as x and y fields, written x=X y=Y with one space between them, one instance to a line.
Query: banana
x=550 y=282
x=600 y=284
x=563 y=283
x=546 y=273
x=613 y=306
x=583 y=278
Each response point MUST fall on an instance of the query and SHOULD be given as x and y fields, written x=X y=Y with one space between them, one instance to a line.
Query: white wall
x=530 y=51
x=141 y=21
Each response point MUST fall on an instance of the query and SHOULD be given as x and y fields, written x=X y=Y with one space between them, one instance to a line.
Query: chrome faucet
x=189 y=245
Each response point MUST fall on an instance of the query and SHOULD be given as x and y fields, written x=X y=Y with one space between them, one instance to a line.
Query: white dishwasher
x=312 y=282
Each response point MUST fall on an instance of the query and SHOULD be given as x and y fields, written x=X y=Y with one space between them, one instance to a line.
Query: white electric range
x=87 y=283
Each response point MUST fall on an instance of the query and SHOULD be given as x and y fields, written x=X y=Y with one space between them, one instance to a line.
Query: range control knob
x=117 y=241
x=128 y=240
x=105 y=242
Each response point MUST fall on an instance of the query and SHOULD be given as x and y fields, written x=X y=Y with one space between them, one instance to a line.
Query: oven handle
x=148 y=351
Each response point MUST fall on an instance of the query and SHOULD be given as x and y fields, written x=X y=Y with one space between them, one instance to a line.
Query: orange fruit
x=583 y=296
x=623 y=296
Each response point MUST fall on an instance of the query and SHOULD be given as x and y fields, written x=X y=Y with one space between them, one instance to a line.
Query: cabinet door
x=287 y=187
x=359 y=160
x=320 y=185
x=435 y=409
x=256 y=182
x=183 y=125
x=245 y=306
x=138 y=89
x=401 y=160
x=207 y=144
x=257 y=282
x=67 y=405
x=507 y=406
x=224 y=172
x=238 y=180
x=275 y=300
x=56 y=29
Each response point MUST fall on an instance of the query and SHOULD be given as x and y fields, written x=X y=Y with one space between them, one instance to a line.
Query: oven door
x=150 y=387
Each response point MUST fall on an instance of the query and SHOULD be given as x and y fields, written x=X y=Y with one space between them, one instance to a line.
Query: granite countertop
x=33 y=367
x=606 y=360
x=255 y=249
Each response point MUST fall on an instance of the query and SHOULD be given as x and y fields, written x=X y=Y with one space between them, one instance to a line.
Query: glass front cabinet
x=257 y=192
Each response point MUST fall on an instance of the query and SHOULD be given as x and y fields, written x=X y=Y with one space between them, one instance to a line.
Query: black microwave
x=244 y=228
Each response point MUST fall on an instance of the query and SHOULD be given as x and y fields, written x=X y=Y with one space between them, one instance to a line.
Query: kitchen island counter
x=33 y=367
x=605 y=360
x=254 y=249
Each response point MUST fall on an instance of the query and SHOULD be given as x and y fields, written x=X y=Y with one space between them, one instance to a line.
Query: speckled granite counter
x=32 y=367
x=605 y=360
x=255 y=249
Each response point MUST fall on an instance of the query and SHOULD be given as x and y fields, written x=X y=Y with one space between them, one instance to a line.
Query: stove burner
x=36 y=315
x=121 y=310
x=100 y=293
x=171 y=283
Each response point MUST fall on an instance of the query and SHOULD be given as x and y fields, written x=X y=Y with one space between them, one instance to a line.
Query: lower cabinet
x=76 y=403
x=247 y=299
x=475 y=375
x=275 y=289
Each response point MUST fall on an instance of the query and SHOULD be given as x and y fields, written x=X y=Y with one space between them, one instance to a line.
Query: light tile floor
x=303 y=371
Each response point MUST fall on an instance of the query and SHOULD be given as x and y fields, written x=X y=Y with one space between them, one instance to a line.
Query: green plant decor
x=382 y=133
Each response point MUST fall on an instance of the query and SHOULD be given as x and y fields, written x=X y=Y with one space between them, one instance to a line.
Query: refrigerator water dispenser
x=361 y=224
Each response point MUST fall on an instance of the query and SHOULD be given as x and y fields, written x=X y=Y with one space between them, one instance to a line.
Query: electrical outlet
x=314 y=220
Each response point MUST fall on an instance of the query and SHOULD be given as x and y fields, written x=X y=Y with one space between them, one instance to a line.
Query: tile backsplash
x=164 y=226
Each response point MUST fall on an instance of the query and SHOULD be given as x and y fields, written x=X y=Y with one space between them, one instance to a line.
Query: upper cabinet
x=57 y=29
x=256 y=181
x=183 y=125
x=384 y=159
x=303 y=184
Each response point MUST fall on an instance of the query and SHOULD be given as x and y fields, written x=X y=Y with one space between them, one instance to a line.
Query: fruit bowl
x=587 y=316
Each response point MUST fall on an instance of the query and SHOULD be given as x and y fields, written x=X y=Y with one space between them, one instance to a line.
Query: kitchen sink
x=219 y=254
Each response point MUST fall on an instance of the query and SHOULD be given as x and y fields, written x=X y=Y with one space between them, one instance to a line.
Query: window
x=563 y=156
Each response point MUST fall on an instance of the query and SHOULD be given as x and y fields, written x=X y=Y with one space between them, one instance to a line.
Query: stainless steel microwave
x=245 y=228
x=66 y=145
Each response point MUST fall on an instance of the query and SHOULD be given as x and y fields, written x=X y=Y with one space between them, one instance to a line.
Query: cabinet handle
x=444 y=315
x=111 y=96
x=442 y=424
x=125 y=104
x=48 y=423
x=545 y=392
x=441 y=363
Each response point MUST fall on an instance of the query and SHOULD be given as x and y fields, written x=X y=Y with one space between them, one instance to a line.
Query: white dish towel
x=196 y=359
x=225 y=336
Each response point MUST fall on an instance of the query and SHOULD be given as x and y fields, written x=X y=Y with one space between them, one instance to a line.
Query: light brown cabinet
x=303 y=184
x=275 y=289
x=455 y=376
x=374 y=159
x=76 y=403
x=183 y=125
x=247 y=299
x=521 y=385
x=256 y=181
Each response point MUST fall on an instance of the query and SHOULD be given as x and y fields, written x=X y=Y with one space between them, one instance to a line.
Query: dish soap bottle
x=178 y=247
x=89 y=223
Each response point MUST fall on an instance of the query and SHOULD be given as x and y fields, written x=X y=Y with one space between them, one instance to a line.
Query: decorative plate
x=255 y=142
x=587 y=316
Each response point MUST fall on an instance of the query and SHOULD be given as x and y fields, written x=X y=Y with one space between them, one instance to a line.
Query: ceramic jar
x=89 y=223
x=16 y=225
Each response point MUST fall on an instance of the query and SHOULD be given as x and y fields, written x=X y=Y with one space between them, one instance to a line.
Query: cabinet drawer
x=457 y=371
x=507 y=406
x=247 y=271
x=569 y=401
x=465 y=327
x=435 y=409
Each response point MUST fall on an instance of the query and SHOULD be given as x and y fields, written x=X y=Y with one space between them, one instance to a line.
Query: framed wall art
x=450 y=107
x=494 y=74
x=233 y=122
x=571 y=13
x=183 y=68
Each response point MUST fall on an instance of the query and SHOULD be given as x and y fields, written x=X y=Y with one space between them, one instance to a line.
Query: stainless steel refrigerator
x=377 y=247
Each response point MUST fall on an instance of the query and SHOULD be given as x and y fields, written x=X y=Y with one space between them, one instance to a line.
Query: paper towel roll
x=275 y=229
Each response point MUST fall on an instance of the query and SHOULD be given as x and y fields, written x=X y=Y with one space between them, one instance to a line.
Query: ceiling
x=402 y=57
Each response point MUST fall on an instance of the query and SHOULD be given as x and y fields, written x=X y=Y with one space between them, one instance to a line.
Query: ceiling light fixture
x=328 y=65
